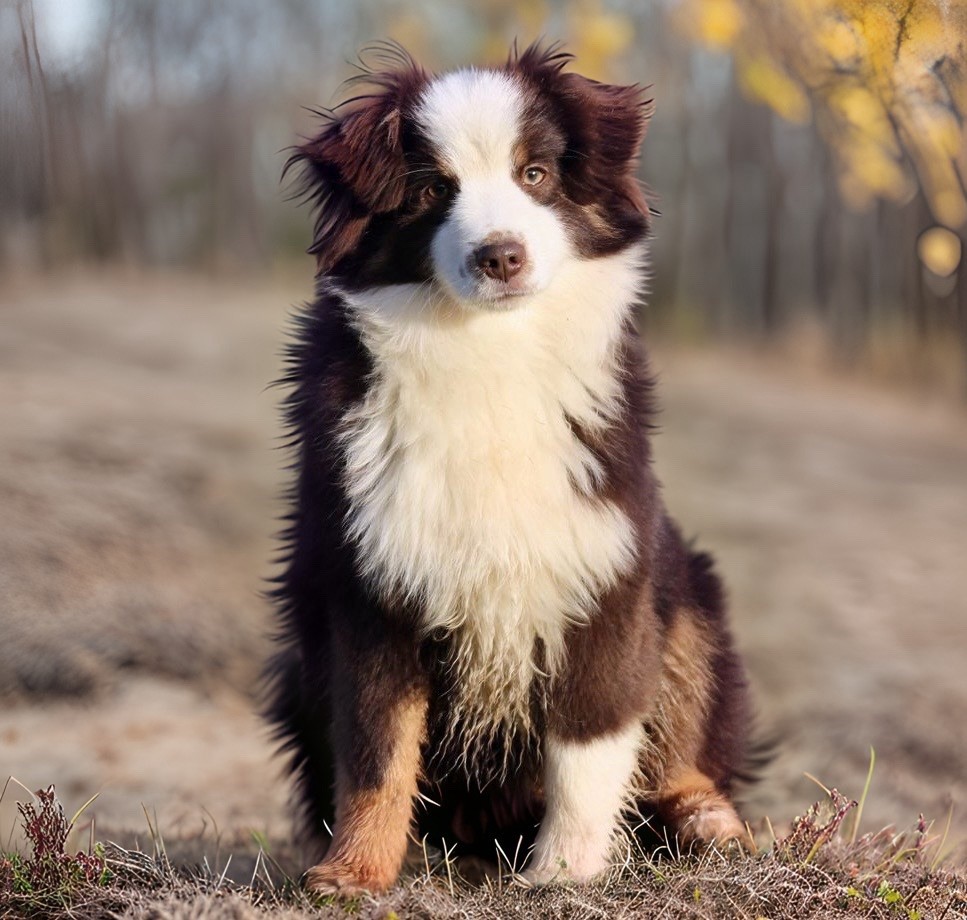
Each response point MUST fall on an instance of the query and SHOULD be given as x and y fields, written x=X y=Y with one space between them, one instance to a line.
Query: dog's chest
x=469 y=491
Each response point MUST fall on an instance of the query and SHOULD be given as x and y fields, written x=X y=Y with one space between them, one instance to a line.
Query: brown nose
x=501 y=260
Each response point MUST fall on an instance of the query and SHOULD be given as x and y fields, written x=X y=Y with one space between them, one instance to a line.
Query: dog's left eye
x=533 y=175
x=438 y=190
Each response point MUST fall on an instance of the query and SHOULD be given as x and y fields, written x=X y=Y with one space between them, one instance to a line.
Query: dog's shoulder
x=326 y=365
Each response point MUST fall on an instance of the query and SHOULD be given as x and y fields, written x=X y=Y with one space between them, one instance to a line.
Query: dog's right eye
x=437 y=190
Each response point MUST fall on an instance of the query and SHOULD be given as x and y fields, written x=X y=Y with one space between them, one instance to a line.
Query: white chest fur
x=469 y=492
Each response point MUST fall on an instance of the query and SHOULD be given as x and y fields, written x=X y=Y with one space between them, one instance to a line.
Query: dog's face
x=482 y=180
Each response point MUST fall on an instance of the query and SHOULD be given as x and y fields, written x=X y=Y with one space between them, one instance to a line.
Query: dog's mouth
x=490 y=296
x=491 y=291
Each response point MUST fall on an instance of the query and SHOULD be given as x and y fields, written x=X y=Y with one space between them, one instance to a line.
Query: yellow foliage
x=717 y=22
x=939 y=249
x=762 y=80
x=948 y=205
x=598 y=36
x=874 y=172
x=941 y=131
x=837 y=37
x=862 y=109
x=925 y=34
x=886 y=78
x=878 y=29
x=944 y=193
x=607 y=34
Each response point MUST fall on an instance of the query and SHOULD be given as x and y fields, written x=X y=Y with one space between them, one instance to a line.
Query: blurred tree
x=809 y=155
x=884 y=85
x=443 y=34
x=885 y=80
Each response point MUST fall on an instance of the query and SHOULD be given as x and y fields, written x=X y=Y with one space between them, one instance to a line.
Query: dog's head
x=484 y=180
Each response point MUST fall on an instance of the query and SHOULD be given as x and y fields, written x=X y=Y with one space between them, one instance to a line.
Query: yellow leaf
x=718 y=22
x=947 y=204
x=925 y=33
x=939 y=250
x=940 y=130
x=598 y=37
x=877 y=169
x=879 y=27
x=838 y=39
x=864 y=112
x=762 y=80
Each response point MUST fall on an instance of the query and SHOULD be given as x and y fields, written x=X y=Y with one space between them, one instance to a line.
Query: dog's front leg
x=585 y=787
x=594 y=736
x=379 y=706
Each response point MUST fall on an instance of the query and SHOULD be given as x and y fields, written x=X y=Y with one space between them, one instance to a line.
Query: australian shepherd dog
x=490 y=629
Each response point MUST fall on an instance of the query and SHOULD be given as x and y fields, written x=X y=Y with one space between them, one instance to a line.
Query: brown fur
x=363 y=698
x=679 y=715
x=370 y=837
x=699 y=812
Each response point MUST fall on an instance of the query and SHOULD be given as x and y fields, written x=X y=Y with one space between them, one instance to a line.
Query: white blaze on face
x=473 y=118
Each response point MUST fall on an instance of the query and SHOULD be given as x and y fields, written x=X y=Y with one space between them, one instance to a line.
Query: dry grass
x=813 y=871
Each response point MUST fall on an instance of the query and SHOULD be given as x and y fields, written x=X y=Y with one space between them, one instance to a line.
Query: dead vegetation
x=816 y=870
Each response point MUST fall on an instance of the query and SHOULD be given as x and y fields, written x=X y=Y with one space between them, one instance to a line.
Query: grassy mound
x=817 y=870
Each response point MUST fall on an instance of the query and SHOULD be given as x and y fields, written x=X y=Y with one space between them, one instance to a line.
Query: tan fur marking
x=685 y=797
x=676 y=726
x=370 y=837
x=700 y=813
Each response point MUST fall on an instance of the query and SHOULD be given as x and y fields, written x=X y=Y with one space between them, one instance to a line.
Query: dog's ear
x=608 y=124
x=618 y=117
x=605 y=125
x=355 y=168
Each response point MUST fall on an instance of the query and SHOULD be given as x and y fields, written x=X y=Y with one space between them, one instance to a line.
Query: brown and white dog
x=490 y=627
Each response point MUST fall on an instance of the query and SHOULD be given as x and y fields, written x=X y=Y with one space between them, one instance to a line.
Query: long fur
x=482 y=597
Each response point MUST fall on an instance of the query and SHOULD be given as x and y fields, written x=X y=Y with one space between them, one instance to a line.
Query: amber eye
x=437 y=190
x=533 y=175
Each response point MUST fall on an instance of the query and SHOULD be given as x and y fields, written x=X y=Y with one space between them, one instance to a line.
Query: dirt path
x=839 y=516
x=137 y=487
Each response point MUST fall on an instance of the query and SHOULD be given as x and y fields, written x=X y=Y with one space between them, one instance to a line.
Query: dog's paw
x=560 y=872
x=339 y=877
x=717 y=824
x=539 y=876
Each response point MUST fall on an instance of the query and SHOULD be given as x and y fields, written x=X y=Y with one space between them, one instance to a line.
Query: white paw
x=537 y=876
x=561 y=871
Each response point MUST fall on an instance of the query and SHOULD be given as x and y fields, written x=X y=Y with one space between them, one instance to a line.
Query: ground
x=138 y=482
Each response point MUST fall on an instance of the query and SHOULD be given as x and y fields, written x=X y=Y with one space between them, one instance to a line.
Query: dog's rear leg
x=379 y=717
x=700 y=813
x=702 y=696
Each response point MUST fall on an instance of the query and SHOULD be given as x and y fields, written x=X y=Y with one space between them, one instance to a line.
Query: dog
x=490 y=630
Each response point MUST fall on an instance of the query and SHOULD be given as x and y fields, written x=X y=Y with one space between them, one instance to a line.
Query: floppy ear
x=608 y=124
x=605 y=125
x=355 y=168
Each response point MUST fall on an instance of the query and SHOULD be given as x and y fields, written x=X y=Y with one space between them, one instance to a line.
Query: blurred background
x=808 y=317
